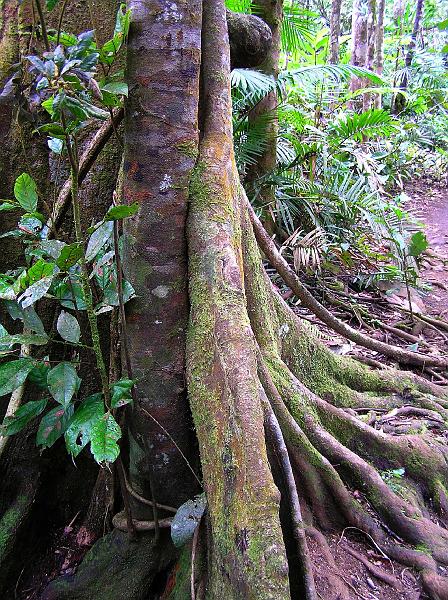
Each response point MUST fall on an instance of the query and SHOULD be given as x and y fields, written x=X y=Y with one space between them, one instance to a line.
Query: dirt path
x=429 y=203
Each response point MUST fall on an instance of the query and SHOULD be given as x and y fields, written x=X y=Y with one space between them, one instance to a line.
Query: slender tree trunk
x=399 y=101
x=379 y=46
x=371 y=46
x=335 y=31
x=359 y=40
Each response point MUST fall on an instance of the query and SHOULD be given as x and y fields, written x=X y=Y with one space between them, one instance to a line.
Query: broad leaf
x=40 y=270
x=121 y=212
x=51 y=4
x=80 y=426
x=29 y=316
x=187 y=519
x=63 y=382
x=13 y=374
x=418 y=244
x=99 y=239
x=68 y=327
x=69 y=256
x=121 y=393
x=103 y=439
x=53 y=425
x=23 y=416
x=25 y=191
x=35 y=292
x=29 y=339
x=116 y=87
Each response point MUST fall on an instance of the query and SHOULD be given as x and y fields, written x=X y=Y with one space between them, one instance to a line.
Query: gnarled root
x=334 y=451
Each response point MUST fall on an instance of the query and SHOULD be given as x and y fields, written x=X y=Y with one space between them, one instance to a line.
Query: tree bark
x=160 y=151
x=271 y=11
x=335 y=31
x=379 y=46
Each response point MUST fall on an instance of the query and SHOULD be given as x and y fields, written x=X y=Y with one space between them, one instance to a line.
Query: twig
x=127 y=505
x=119 y=522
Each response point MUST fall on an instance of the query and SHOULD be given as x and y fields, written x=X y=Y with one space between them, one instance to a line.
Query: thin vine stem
x=84 y=275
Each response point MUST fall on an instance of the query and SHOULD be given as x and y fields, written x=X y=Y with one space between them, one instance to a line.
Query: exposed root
x=377 y=572
x=120 y=522
x=291 y=279
x=275 y=435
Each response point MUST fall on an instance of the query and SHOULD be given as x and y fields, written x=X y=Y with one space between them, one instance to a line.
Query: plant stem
x=61 y=18
x=43 y=25
x=84 y=277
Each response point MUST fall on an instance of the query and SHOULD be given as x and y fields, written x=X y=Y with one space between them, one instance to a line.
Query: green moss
x=10 y=522
x=188 y=148
x=182 y=576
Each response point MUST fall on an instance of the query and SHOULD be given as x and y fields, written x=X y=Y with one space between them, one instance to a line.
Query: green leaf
x=63 y=382
x=80 y=426
x=25 y=191
x=442 y=25
x=28 y=315
x=24 y=338
x=116 y=87
x=38 y=376
x=103 y=439
x=70 y=294
x=6 y=205
x=6 y=290
x=121 y=212
x=418 y=244
x=35 y=292
x=99 y=239
x=121 y=393
x=51 y=4
x=13 y=374
x=52 y=247
x=53 y=425
x=68 y=327
x=69 y=256
x=187 y=519
x=40 y=270
x=22 y=417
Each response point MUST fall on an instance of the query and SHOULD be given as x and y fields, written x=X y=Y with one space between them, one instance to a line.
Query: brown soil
x=429 y=203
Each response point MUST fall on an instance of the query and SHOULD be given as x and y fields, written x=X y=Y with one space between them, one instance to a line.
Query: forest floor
x=428 y=203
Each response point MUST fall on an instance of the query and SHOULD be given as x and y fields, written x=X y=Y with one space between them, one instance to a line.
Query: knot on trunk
x=250 y=40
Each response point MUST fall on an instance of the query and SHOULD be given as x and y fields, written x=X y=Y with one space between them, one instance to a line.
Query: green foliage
x=66 y=83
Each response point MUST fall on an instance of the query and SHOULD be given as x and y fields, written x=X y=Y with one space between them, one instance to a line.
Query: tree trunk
x=359 y=43
x=379 y=46
x=371 y=46
x=399 y=101
x=335 y=31
x=271 y=11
